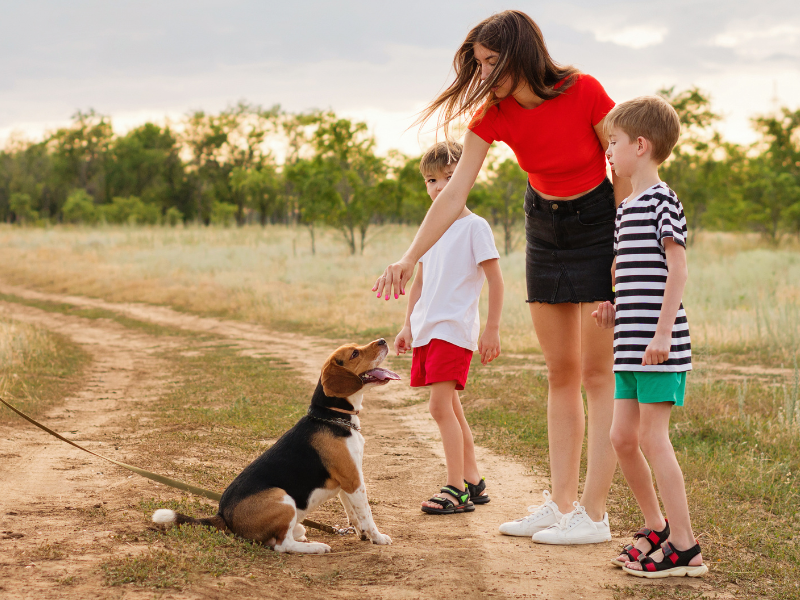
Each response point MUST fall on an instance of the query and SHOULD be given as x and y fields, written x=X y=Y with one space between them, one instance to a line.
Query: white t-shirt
x=452 y=279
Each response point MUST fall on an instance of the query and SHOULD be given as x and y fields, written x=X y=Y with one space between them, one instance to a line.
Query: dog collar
x=341 y=410
x=340 y=422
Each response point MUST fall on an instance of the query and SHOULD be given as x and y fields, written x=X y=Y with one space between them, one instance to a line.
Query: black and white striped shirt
x=641 y=276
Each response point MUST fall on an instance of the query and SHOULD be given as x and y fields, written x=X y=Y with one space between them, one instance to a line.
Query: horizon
x=381 y=65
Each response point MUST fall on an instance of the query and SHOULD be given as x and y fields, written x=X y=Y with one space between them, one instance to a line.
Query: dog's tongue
x=382 y=374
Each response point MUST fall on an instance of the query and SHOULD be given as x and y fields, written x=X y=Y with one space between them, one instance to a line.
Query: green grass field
x=738 y=438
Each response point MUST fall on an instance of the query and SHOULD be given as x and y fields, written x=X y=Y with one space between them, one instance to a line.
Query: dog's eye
x=354 y=354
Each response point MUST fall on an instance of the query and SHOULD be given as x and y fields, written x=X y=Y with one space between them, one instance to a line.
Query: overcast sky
x=376 y=61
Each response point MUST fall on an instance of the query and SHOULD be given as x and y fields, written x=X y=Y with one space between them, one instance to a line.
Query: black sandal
x=675 y=563
x=656 y=538
x=475 y=490
x=448 y=506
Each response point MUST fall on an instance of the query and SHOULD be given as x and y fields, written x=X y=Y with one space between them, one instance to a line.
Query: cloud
x=381 y=60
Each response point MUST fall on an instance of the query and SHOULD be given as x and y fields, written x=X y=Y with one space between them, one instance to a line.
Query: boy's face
x=435 y=182
x=623 y=153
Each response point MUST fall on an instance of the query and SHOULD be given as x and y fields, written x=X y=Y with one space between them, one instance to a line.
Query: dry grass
x=37 y=368
x=743 y=294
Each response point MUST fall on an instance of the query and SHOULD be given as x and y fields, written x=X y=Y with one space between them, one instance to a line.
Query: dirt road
x=45 y=482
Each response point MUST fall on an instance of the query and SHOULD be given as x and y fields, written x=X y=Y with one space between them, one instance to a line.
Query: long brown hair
x=522 y=55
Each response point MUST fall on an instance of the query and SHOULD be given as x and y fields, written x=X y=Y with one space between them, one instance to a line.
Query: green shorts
x=650 y=386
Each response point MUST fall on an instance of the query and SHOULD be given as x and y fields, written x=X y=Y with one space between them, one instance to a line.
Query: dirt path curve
x=430 y=555
x=44 y=481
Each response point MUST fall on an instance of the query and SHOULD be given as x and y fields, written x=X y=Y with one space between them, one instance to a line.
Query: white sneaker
x=575 y=528
x=541 y=517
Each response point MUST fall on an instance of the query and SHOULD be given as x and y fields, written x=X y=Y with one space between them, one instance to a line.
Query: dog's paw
x=381 y=539
x=317 y=548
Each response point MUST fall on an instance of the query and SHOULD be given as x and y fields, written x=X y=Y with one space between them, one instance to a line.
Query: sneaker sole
x=527 y=535
x=697 y=571
x=574 y=541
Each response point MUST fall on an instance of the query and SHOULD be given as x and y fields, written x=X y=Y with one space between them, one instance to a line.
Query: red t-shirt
x=555 y=143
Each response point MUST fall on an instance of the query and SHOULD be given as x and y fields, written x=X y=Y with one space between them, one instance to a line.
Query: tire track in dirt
x=404 y=465
x=45 y=481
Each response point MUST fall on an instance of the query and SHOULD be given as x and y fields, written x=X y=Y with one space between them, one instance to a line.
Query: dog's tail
x=165 y=516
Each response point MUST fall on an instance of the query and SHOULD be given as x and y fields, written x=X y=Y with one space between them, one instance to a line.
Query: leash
x=174 y=483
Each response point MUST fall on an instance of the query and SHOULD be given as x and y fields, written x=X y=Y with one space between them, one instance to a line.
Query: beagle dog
x=317 y=459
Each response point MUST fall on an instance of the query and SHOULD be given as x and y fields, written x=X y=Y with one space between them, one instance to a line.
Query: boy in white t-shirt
x=442 y=319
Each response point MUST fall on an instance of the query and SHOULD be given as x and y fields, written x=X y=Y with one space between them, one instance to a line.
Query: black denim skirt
x=570 y=246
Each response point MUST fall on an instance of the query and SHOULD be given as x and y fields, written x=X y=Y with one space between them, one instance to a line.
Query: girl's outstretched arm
x=442 y=213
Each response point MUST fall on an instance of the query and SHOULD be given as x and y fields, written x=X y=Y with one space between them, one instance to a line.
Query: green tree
x=500 y=199
x=80 y=155
x=347 y=172
x=218 y=144
x=146 y=163
x=261 y=190
x=697 y=168
x=21 y=206
x=773 y=190
x=79 y=208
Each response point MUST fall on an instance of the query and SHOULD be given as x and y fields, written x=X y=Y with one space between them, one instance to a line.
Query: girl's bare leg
x=558 y=327
x=597 y=375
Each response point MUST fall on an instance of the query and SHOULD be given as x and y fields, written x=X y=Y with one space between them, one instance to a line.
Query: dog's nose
x=381 y=342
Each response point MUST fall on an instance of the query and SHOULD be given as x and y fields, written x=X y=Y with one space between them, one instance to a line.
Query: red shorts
x=440 y=361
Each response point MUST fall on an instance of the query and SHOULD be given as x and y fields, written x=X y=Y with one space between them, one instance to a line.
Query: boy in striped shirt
x=652 y=351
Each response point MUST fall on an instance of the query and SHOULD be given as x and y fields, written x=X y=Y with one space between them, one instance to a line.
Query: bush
x=22 y=207
x=223 y=213
x=130 y=211
x=173 y=217
x=79 y=208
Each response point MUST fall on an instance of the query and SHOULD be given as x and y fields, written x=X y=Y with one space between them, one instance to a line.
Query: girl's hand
x=489 y=346
x=604 y=315
x=402 y=343
x=395 y=276
x=657 y=350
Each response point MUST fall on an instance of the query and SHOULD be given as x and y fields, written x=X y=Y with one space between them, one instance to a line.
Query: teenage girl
x=552 y=118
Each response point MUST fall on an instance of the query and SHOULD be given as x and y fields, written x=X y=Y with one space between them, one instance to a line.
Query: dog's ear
x=338 y=381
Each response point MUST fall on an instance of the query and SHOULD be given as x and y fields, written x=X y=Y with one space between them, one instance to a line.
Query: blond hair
x=650 y=117
x=439 y=156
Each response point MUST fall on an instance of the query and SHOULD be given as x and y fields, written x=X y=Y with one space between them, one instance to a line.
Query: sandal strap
x=656 y=538
x=462 y=495
x=445 y=503
x=632 y=552
x=672 y=558
x=476 y=489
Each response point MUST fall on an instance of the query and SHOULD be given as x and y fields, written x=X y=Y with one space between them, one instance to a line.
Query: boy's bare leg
x=656 y=445
x=441 y=409
x=597 y=375
x=625 y=439
x=471 y=472
x=558 y=328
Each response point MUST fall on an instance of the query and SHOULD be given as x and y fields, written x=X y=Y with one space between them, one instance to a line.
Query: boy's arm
x=489 y=345
x=658 y=349
x=402 y=343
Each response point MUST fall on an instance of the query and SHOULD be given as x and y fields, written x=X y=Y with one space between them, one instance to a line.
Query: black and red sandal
x=675 y=563
x=656 y=538
x=476 y=491
x=448 y=507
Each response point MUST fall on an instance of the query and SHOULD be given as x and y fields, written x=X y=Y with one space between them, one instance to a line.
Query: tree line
x=249 y=164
